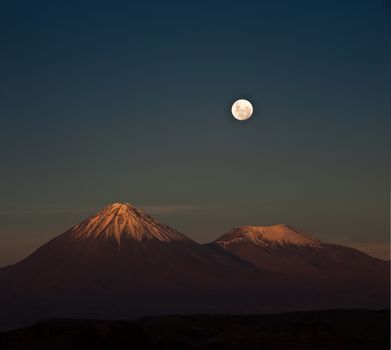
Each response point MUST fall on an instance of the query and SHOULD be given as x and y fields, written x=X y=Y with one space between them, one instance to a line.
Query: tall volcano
x=122 y=250
x=121 y=263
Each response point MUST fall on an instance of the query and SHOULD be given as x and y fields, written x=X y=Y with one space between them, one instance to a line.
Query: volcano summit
x=123 y=221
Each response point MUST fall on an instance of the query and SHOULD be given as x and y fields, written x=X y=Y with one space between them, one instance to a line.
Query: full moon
x=242 y=109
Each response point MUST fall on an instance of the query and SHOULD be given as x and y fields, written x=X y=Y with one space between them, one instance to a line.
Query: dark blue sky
x=109 y=101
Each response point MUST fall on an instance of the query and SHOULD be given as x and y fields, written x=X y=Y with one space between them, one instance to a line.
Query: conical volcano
x=121 y=263
x=120 y=249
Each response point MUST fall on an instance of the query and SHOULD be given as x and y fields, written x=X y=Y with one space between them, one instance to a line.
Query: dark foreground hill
x=330 y=329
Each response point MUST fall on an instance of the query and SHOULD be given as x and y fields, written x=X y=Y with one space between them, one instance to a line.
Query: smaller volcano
x=285 y=249
x=276 y=235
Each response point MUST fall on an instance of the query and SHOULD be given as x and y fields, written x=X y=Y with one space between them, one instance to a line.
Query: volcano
x=121 y=263
x=123 y=251
x=288 y=250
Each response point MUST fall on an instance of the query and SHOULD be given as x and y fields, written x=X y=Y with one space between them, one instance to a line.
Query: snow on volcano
x=124 y=220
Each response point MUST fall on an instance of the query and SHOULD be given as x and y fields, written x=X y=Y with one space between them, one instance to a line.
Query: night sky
x=124 y=101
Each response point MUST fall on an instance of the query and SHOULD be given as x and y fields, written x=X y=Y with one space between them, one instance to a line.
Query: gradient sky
x=123 y=101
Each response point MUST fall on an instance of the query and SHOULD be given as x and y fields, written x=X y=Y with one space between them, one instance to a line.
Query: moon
x=242 y=109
